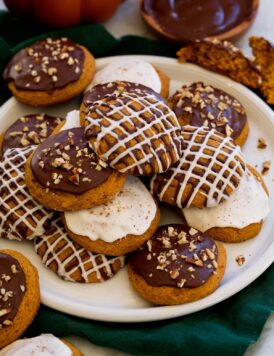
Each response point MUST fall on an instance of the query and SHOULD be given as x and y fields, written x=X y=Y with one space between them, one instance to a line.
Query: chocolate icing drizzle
x=66 y=163
x=13 y=288
x=29 y=130
x=186 y=20
x=46 y=65
x=176 y=256
x=203 y=105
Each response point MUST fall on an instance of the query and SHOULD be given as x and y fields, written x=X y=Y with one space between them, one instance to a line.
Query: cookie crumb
x=261 y=143
x=240 y=260
x=266 y=167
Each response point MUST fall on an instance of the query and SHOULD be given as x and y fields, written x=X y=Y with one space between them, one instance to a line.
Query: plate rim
x=154 y=313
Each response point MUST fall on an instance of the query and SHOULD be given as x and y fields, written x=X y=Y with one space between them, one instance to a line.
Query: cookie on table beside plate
x=135 y=71
x=20 y=295
x=237 y=219
x=132 y=128
x=222 y=57
x=50 y=71
x=72 y=262
x=199 y=105
x=44 y=344
x=208 y=172
x=263 y=52
x=63 y=173
x=118 y=227
x=177 y=265
x=28 y=130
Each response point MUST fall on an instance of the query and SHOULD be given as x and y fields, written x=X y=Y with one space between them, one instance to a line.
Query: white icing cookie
x=21 y=217
x=130 y=212
x=72 y=120
x=44 y=345
x=130 y=70
x=249 y=204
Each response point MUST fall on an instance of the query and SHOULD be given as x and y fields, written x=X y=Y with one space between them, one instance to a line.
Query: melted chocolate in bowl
x=197 y=19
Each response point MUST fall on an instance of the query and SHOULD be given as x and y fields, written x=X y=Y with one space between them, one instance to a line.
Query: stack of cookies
x=77 y=187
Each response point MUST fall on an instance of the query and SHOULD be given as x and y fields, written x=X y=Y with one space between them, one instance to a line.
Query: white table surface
x=127 y=21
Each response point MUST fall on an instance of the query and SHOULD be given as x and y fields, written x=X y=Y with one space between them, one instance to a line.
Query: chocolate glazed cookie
x=49 y=72
x=20 y=295
x=65 y=174
x=178 y=265
x=28 y=130
x=203 y=105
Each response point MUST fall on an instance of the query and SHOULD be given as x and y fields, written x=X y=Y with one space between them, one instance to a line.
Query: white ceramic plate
x=115 y=300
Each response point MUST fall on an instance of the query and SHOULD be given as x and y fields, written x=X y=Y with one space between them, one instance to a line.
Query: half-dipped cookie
x=237 y=219
x=208 y=172
x=177 y=265
x=135 y=71
x=20 y=295
x=50 y=71
x=118 y=227
x=132 y=128
x=45 y=344
x=72 y=262
x=203 y=105
x=65 y=174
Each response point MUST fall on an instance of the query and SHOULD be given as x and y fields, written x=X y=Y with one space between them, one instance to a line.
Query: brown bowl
x=232 y=34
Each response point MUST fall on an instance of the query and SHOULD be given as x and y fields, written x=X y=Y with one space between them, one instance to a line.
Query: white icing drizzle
x=130 y=70
x=186 y=169
x=249 y=204
x=130 y=212
x=13 y=187
x=72 y=120
x=43 y=345
x=164 y=128
x=77 y=257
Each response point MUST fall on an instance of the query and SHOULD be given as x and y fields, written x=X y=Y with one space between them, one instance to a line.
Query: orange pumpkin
x=64 y=13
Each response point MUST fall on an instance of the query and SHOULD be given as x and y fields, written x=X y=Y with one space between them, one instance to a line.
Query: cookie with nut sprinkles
x=177 y=265
x=20 y=295
x=29 y=130
x=64 y=173
x=49 y=71
x=70 y=261
x=132 y=128
x=203 y=105
x=210 y=169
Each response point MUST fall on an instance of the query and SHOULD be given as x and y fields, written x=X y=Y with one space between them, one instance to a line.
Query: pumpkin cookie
x=20 y=295
x=50 y=71
x=263 y=51
x=132 y=129
x=21 y=217
x=203 y=105
x=72 y=262
x=65 y=174
x=208 y=172
x=240 y=217
x=222 y=57
x=119 y=226
x=29 y=130
x=43 y=344
x=134 y=71
x=178 y=265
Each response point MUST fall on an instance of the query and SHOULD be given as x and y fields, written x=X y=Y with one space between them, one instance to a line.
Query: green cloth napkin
x=225 y=329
